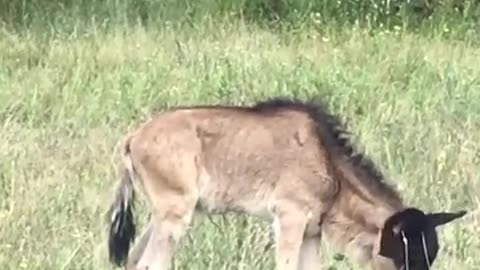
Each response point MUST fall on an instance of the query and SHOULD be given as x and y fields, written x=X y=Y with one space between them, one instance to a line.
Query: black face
x=422 y=248
x=408 y=239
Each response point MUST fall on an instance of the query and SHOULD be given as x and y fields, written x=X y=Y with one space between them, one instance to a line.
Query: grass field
x=412 y=101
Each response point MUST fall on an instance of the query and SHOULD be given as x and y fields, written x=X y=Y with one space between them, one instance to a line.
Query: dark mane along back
x=332 y=133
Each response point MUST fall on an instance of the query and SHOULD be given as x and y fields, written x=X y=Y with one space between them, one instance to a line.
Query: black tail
x=122 y=225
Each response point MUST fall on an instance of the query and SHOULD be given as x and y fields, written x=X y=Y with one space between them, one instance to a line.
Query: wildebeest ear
x=387 y=248
x=437 y=219
x=410 y=219
x=388 y=241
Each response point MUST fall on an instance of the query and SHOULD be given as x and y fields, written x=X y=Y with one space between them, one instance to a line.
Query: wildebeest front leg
x=289 y=226
x=310 y=253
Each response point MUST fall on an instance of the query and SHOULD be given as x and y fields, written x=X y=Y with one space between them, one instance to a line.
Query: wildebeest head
x=408 y=240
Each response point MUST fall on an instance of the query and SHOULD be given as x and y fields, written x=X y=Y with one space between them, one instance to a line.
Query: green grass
x=68 y=97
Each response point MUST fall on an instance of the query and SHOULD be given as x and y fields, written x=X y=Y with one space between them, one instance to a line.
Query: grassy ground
x=65 y=101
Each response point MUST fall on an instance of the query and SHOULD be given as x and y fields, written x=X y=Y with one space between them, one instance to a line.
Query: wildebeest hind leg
x=137 y=252
x=170 y=220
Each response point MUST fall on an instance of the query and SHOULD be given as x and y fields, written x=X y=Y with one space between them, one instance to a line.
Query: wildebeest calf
x=283 y=160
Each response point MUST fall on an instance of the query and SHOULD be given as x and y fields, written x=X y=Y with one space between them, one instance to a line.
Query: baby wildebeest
x=286 y=161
